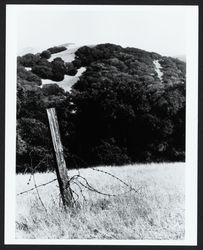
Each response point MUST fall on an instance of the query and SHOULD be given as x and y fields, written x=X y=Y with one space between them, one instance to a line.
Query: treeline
x=41 y=67
x=118 y=112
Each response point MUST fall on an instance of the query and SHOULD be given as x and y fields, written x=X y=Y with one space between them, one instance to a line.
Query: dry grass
x=155 y=212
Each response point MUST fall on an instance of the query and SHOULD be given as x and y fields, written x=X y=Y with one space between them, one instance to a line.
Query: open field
x=156 y=211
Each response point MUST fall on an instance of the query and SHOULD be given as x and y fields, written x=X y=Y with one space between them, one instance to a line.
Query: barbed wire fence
x=82 y=184
x=71 y=189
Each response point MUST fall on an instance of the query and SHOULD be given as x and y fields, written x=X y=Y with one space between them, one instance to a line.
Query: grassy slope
x=155 y=212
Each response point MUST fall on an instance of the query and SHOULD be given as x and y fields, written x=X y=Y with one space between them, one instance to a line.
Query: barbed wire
x=79 y=181
x=39 y=197
x=112 y=175
x=44 y=184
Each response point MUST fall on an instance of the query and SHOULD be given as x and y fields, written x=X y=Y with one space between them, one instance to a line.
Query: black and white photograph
x=101 y=124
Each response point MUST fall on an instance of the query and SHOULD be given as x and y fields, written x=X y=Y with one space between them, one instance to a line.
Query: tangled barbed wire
x=80 y=182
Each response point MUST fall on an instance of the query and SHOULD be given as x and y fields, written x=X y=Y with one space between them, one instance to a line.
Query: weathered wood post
x=61 y=170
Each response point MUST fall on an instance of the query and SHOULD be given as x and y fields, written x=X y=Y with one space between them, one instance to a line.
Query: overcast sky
x=159 y=29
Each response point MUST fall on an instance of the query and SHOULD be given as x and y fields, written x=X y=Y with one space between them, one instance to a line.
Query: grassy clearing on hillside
x=155 y=212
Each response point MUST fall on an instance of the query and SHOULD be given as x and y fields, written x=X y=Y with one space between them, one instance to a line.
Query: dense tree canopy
x=46 y=54
x=57 y=49
x=120 y=111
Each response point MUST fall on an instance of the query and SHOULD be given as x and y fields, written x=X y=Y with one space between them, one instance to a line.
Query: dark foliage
x=58 y=69
x=46 y=54
x=28 y=76
x=52 y=89
x=109 y=153
x=119 y=112
x=57 y=49
x=121 y=96
x=33 y=137
x=43 y=69
x=54 y=70
x=28 y=60
x=71 y=69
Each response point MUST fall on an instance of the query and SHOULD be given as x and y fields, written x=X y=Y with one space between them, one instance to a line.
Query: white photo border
x=191 y=131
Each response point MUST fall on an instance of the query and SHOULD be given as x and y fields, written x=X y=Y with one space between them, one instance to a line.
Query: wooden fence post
x=61 y=170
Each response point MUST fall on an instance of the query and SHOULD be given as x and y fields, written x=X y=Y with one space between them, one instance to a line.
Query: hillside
x=115 y=106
